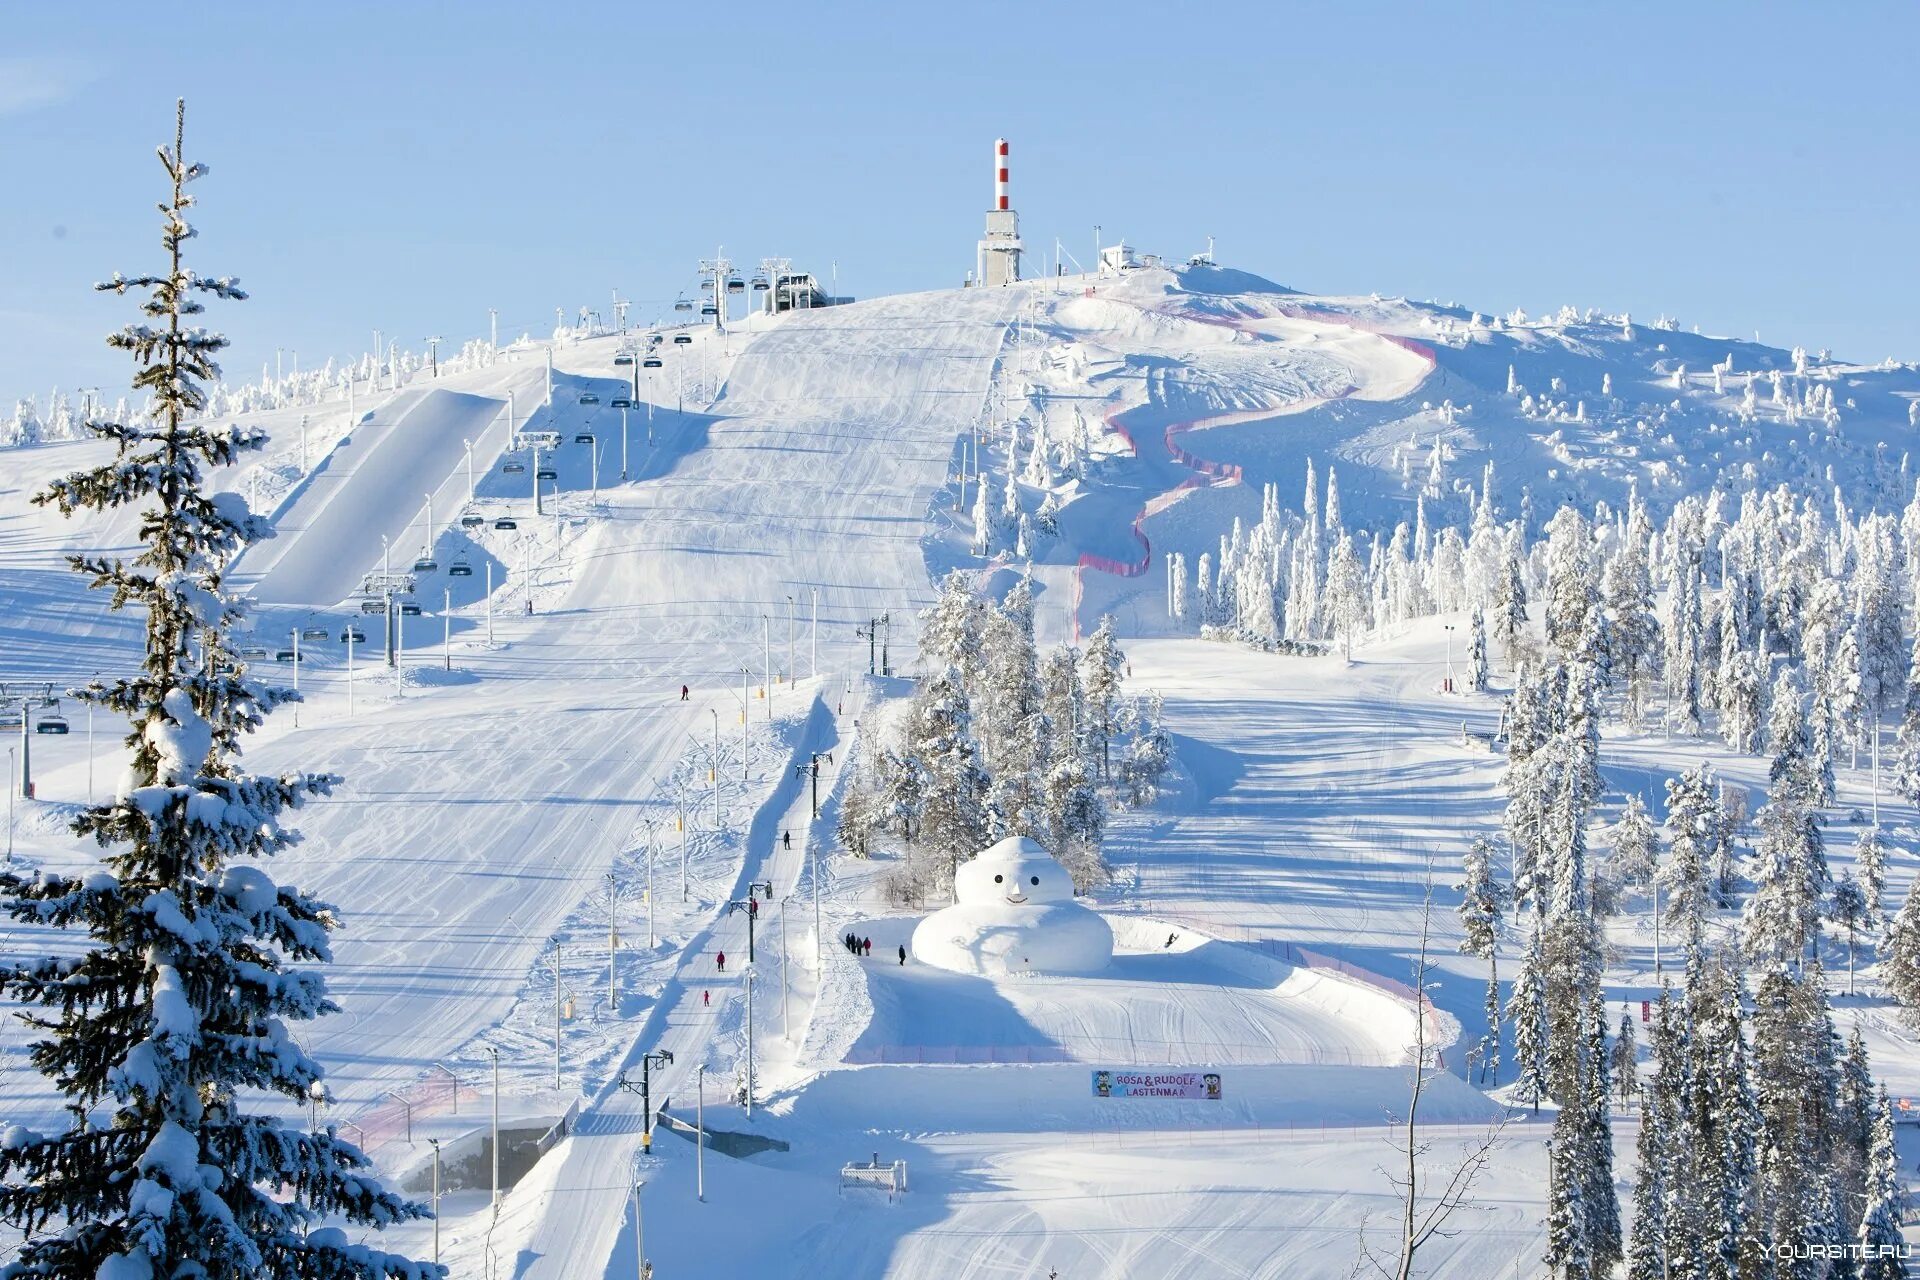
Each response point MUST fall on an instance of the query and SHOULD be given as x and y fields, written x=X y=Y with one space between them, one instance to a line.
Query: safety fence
x=439 y=1092
x=1130 y=1049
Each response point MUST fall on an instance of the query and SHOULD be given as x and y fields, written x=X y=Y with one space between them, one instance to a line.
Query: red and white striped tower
x=998 y=262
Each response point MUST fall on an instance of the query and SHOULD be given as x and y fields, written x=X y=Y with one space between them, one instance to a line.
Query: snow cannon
x=1014 y=912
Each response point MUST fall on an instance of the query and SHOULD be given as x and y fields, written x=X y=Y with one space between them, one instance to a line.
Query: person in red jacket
x=721 y=958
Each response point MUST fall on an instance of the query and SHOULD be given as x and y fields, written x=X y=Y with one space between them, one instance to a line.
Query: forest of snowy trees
x=1784 y=631
x=999 y=739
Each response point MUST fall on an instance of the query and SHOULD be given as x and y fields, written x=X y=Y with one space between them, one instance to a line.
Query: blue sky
x=405 y=167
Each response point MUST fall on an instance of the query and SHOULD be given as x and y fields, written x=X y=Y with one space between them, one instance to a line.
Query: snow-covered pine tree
x=1100 y=672
x=1870 y=863
x=1477 y=670
x=1906 y=778
x=1847 y=908
x=1510 y=612
x=1527 y=1011
x=953 y=822
x=1852 y=1130
x=1572 y=591
x=1636 y=845
x=1600 y=1202
x=1659 y=1158
x=1783 y=916
x=1149 y=752
x=178 y=1012
x=1690 y=824
x=1483 y=904
x=1633 y=631
x=1900 y=958
x=1883 y=1246
x=1624 y=1059
x=1006 y=710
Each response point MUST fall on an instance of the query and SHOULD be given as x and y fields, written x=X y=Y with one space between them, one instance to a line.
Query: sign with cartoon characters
x=1201 y=1085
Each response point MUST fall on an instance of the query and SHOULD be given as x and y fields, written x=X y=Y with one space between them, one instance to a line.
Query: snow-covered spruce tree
x=1477 y=670
x=1634 y=632
x=1783 y=916
x=1624 y=1057
x=1100 y=671
x=1879 y=1233
x=1847 y=908
x=1636 y=845
x=1510 y=612
x=1900 y=958
x=179 y=1009
x=1657 y=1151
x=1600 y=1202
x=1870 y=858
x=1906 y=777
x=1149 y=752
x=1527 y=1011
x=1483 y=904
x=953 y=820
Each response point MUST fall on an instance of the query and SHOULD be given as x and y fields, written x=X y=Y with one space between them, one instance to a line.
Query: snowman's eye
x=999 y=879
x=1035 y=879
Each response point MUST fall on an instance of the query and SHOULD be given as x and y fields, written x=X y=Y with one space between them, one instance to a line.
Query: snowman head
x=1015 y=872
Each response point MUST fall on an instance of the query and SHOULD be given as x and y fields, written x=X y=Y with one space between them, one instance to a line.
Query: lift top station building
x=999 y=254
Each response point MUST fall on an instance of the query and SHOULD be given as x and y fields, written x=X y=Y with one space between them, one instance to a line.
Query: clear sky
x=407 y=166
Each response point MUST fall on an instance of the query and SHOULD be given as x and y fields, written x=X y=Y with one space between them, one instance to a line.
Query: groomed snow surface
x=538 y=741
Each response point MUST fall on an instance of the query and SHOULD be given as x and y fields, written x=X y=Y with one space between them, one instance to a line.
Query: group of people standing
x=859 y=946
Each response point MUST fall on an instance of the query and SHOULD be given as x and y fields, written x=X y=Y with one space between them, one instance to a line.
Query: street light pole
x=791 y=673
x=446 y=628
x=495 y=1054
x=716 y=785
x=700 y=1132
x=435 y=1144
x=749 y=1034
x=813 y=631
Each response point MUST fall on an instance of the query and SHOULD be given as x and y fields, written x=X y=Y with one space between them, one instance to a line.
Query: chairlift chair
x=504 y=523
x=425 y=564
x=760 y=284
x=471 y=521
x=459 y=569
x=587 y=397
x=682 y=304
x=584 y=437
x=354 y=634
x=620 y=402
x=313 y=633
x=546 y=473
x=366 y=606
x=50 y=724
x=11 y=718
x=736 y=285
x=513 y=468
x=652 y=362
x=253 y=651
x=283 y=655
x=682 y=339
x=409 y=610
x=622 y=360
x=709 y=309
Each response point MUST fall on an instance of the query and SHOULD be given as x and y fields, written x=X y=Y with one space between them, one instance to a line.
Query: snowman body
x=1015 y=913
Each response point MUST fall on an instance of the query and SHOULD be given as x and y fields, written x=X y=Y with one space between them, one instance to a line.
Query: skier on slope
x=683 y=693
x=720 y=958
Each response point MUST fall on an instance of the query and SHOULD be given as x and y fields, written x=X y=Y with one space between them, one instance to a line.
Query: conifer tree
x=1879 y=1235
x=1101 y=669
x=1690 y=821
x=1477 y=670
x=1527 y=1011
x=1658 y=1155
x=1483 y=904
x=1847 y=908
x=1510 y=612
x=1636 y=844
x=162 y=1032
x=1900 y=958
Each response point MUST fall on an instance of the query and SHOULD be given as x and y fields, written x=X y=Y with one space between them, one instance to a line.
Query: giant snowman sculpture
x=1014 y=912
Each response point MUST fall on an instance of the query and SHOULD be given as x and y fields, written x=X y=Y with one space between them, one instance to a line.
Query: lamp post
x=812 y=767
x=700 y=1132
x=495 y=1055
x=1449 y=630
x=791 y=673
x=435 y=1144
x=641 y=1269
x=813 y=631
x=749 y=1041
x=716 y=771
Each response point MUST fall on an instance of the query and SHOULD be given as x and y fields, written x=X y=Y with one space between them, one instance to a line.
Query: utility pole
x=433 y=353
x=435 y=1144
x=812 y=767
x=493 y=327
x=650 y=860
x=469 y=445
x=494 y=1053
x=558 y=953
x=683 y=851
x=446 y=629
x=613 y=948
x=792 y=674
x=766 y=663
x=749 y=1035
x=700 y=1133
x=746 y=705
x=716 y=791
x=813 y=631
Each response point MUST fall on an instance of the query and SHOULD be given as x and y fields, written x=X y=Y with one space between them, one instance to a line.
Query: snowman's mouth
x=1016 y=898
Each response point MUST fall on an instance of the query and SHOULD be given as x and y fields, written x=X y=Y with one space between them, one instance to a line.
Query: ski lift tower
x=719 y=270
x=999 y=254
x=388 y=587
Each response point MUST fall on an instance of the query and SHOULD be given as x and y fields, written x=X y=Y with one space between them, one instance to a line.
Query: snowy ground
x=812 y=461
